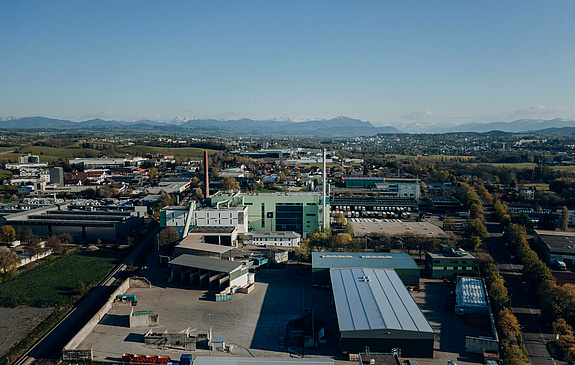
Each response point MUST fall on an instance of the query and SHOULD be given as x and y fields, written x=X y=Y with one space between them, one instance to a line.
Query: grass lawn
x=52 y=283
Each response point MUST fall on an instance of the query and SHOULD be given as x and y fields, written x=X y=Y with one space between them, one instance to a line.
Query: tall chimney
x=323 y=193
x=206 y=176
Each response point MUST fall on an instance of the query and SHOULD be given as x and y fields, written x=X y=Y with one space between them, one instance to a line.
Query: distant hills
x=517 y=126
x=336 y=127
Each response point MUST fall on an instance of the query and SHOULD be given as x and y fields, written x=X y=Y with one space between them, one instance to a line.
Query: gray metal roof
x=194 y=242
x=205 y=360
x=200 y=262
x=558 y=241
x=372 y=299
x=375 y=260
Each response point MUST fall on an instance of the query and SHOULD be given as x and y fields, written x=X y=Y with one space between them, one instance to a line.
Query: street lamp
x=209 y=334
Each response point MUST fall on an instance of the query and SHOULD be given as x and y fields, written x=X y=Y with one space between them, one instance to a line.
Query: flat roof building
x=444 y=204
x=556 y=245
x=208 y=273
x=392 y=187
x=375 y=310
x=195 y=245
x=395 y=227
x=278 y=239
x=108 y=224
x=403 y=264
x=451 y=263
x=373 y=206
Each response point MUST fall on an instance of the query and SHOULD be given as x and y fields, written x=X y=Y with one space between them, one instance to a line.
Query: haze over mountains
x=335 y=127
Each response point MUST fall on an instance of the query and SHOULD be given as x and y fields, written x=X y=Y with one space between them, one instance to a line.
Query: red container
x=139 y=358
x=127 y=357
x=163 y=359
x=151 y=359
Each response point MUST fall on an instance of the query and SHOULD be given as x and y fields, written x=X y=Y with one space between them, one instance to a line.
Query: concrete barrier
x=478 y=345
x=88 y=327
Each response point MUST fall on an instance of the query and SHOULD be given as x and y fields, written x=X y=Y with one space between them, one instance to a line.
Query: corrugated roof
x=200 y=262
x=374 y=299
x=375 y=260
x=205 y=360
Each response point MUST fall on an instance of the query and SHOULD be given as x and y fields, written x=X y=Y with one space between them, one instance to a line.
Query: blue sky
x=445 y=62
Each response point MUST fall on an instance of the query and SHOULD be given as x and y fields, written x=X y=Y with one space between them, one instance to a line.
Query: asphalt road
x=51 y=345
x=534 y=335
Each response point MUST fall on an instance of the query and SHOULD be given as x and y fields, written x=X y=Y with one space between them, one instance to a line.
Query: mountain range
x=336 y=127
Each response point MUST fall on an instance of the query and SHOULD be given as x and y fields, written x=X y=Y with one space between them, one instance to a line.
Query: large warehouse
x=375 y=310
x=107 y=223
x=400 y=262
x=556 y=245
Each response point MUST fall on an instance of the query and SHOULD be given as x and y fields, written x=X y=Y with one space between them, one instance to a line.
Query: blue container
x=186 y=359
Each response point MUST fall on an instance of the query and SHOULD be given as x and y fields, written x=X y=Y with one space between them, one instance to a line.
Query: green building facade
x=268 y=212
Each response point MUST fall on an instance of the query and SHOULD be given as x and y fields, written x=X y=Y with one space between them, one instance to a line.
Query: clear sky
x=387 y=62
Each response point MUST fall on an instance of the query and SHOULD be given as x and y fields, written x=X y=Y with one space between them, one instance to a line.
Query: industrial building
x=400 y=262
x=277 y=239
x=81 y=222
x=207 y=273
x=57 y=176
x=373 y=206
x=450 y=262
x=384 y=186
x=556 y=246
x=444 y=204
x=102 y=163
x=267 y=212
x=220 y=216
x=375 y=310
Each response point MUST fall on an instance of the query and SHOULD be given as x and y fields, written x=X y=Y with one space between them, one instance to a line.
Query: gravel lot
x=15 y=323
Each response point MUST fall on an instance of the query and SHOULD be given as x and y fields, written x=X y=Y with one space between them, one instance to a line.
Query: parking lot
x=450 y=329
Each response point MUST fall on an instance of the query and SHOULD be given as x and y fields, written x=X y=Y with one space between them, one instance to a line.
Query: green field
x=182 y=152
x=518 y=165
x=430 y=157
x=530 y=165
x=51 y=154
x=52 y=283
x=570 y=169
x=5 y=174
